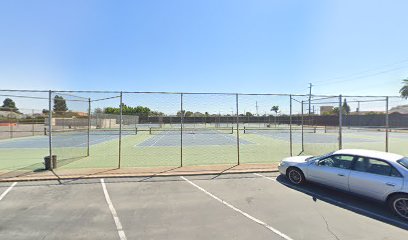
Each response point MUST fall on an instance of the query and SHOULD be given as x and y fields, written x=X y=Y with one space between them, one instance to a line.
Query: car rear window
x=403 y=162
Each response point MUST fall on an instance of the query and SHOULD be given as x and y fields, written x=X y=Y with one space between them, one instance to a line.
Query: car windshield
x=404 y=162
x=318 y=157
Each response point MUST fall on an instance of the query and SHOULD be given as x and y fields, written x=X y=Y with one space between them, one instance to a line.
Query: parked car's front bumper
x=282 y=167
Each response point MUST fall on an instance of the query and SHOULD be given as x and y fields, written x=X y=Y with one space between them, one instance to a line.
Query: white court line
x=239 y=211
x=7 y=190
x=99 y=140
x=119 y=228
x=350 y=207
x=154 y=143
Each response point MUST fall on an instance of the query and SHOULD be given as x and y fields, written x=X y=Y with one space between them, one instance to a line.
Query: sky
x=258 y=46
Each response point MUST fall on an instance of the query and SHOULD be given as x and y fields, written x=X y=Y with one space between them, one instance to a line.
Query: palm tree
x=404 y=90
x=276 y=110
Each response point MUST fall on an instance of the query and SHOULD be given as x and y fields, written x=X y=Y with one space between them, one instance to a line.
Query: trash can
x=50 y=163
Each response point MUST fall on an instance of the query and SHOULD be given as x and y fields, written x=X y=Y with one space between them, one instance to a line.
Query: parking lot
x=231 y=206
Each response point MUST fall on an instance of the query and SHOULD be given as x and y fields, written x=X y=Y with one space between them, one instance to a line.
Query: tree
x=181 y=113
x=189 y=114
x=9 y=105
x=60 y=104
x=249 y=114
x=276 y=110
x=404 y=90
x=127 y=110
x=98 y=110
x=346 y=107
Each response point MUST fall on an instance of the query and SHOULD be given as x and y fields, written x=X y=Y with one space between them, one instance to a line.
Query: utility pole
x=310 y=96
x=256 y=105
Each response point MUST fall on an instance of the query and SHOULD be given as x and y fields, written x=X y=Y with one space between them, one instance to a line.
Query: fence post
x=120 y=128
x=89 y=127
x=50 y=125
x=181 y=129
x=340 y=122
x=238 y=157
x=10 y=125
x=302 y=120
x=387 y=124
x=33 y=122
x=290 y=125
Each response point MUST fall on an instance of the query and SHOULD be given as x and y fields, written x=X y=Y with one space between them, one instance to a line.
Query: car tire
x=398 y=203
x=295 y=176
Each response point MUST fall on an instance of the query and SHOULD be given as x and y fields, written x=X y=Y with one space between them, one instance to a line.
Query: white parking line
x=347 y=206
x=239 y=211
x=7 y=190
x=119 y=228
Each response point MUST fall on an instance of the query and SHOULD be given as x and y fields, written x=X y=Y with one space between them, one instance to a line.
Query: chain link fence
x=102 y=129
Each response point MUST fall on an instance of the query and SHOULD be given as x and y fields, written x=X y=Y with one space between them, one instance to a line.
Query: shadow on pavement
x=360 y=205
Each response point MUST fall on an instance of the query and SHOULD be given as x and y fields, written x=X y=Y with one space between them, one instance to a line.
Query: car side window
x=375 y=166
x=337 y=161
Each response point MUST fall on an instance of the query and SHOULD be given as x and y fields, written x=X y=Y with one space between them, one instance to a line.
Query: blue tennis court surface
x=73 y=140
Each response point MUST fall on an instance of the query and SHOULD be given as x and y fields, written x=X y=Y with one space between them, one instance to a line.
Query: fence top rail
x=204 y=93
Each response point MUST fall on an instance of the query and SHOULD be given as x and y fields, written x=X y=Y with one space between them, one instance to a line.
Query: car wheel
x=295 y=176
x=399 y=205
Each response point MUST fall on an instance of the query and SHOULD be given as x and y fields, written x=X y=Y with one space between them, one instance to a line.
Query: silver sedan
x=377 y=175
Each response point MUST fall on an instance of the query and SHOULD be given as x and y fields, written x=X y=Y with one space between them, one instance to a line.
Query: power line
x=362 y=74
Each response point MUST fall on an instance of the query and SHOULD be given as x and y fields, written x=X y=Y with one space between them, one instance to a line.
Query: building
x=326 y=110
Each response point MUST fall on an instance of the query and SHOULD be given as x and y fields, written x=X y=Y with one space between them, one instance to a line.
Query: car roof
x=371 y=153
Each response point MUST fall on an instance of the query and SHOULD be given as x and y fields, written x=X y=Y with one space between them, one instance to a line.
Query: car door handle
x=341 y=175
x=390 y=184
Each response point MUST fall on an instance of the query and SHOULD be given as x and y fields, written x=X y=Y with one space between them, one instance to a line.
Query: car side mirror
x=320 y=163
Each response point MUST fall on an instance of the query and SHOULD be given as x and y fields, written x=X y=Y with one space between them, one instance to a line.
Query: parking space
x=230 y=206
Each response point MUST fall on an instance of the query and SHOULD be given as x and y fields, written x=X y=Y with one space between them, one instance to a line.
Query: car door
x=332 y=171
x=374 y=178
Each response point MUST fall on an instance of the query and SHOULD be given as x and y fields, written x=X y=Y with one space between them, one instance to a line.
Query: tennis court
x=230 y=206
x=192 y=137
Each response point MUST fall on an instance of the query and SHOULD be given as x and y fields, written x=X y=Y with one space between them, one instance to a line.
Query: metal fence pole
x=181 y=129
x=238 y=157
x=89 y=127
x=50 y=125
x=120 y=129
x=303 y=137
x=290 y=125
x=340 y=122
x=10 y=125
x=33 y=122
x=387 y=124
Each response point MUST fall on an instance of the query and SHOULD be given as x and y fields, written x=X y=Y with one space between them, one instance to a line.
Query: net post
x=340 y=122
x=89 y=128
x=181 y=129
x=387 y=124
x=237 y=105
x=290 y=125
x=303 y=137
x=50 y=124
x=120 y=129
